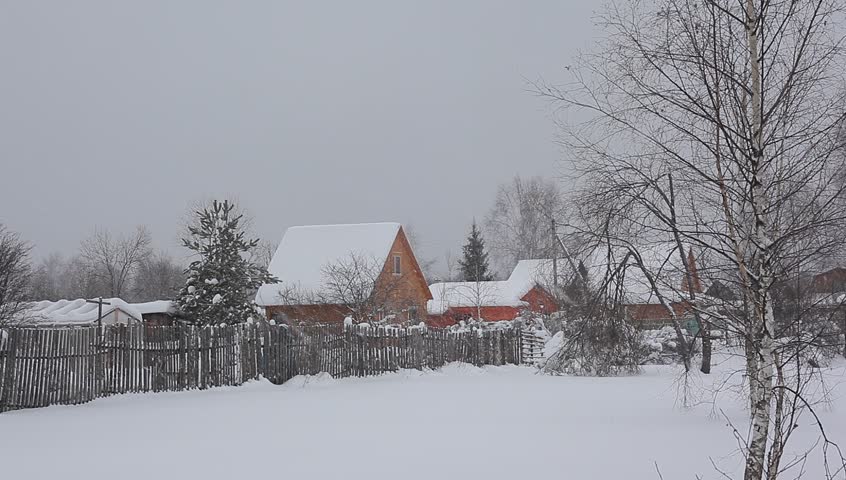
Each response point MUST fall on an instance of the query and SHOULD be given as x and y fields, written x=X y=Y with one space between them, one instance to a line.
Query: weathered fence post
x=7 y=382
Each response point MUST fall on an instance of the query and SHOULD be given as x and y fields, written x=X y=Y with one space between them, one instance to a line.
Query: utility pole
x=554 y=257
x=98 y=362
x=99 y=301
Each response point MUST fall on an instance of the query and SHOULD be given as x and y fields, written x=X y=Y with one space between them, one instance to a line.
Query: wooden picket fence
x=532 y=346
x=63 y=366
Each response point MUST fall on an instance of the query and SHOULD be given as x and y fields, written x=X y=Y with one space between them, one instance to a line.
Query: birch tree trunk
x=740 y=100
x=763 y=321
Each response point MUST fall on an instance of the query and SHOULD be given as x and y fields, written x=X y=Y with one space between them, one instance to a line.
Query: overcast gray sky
x=116 y=114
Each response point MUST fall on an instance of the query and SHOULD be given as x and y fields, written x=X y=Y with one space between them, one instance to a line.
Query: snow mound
x=660 y=346
x=553 y=345
x=322 y=379
x=459 y=368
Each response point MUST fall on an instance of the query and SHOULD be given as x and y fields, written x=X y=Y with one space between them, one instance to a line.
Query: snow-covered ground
x=460 y=422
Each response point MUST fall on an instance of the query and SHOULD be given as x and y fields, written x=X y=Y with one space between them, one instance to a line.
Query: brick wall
x=538 y=299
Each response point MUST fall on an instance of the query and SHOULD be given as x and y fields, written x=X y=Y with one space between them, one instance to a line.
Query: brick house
x=328 y=272
x=525 y=289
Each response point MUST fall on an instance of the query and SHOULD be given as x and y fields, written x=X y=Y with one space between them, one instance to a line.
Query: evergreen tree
x=221 y=280
x=474 y=265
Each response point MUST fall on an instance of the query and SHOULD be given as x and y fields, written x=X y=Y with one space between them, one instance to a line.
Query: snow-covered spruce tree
x=221 y=280
x=474 y=264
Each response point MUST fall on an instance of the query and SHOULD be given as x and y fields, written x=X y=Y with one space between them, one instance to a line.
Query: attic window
x=397 y=265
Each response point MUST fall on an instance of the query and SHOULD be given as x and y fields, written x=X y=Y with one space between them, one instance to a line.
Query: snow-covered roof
x=156 y=306
x=446 y=295
x=528 y=273
x=305 y=252
x=77 y=312
x=662 y=261
x=503 y=293
x=80 y=312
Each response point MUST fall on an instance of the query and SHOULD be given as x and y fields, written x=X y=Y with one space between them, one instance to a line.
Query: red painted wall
x=654 y=311
x=832 y=281
x=538 y=299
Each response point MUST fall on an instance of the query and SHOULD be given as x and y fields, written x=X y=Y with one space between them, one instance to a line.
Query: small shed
x=157 y=313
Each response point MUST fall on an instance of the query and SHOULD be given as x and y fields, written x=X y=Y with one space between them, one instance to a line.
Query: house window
x=397 y=265
x=412 y=313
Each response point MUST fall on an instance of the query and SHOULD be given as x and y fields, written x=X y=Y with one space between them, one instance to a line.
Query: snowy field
x=460 y=422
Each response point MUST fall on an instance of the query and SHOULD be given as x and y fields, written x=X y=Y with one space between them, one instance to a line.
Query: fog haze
x=118 y=114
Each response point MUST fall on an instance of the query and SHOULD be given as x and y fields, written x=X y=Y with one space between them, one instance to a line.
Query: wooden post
x=99 y=301
x=554 y=258
x=98 y=361
x=9 y=372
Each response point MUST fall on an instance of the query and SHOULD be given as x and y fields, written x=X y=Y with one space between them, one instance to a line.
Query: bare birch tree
x=648 y=207
x=114 y=260
x=596 y=338
x=158 y=277
x=518 y=226
x=56 y=278
x=263 y=253
x=619 y=244
x=369 y=293
x=477 y=294
x=742 y=100
x=48 y=282
x=14 y=277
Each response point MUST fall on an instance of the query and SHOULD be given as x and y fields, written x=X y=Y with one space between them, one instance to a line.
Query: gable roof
x=661 y=260
x=503 y=293
x=305 y=251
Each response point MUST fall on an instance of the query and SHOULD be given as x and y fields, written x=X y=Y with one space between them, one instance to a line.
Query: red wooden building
x=525 y=290
x=329 y=272
x=643 y=307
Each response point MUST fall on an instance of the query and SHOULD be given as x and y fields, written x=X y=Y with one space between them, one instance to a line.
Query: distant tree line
x=109 y=265
x=217 y=286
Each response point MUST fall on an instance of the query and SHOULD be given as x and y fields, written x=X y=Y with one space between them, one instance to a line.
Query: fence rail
x=64 y=366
